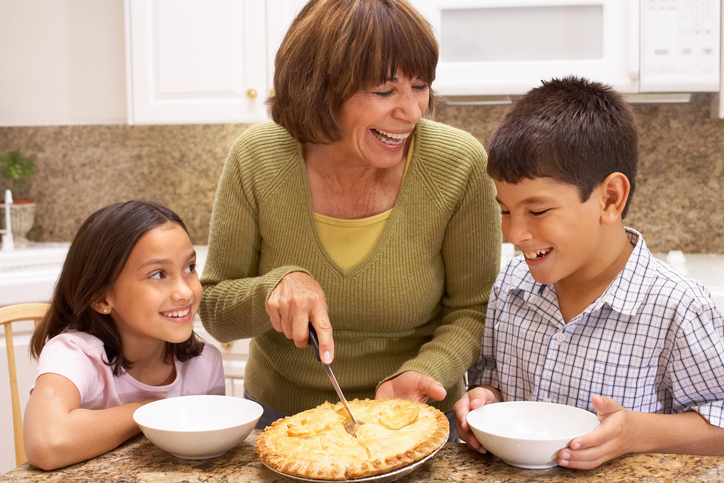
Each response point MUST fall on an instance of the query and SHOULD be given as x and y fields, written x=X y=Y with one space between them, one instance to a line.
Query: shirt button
x=560 y=336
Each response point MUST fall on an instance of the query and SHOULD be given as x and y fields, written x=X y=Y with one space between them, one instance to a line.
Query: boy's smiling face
x=557 y=232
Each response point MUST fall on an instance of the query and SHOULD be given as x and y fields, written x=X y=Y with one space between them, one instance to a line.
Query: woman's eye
x=191 y=268
x=384 y=93
x=421 y=87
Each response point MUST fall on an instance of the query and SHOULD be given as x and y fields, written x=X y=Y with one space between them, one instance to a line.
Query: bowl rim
x=532 y=438
x=140 y=412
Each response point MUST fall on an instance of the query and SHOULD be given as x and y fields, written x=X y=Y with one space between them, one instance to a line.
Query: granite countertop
x=138 y=460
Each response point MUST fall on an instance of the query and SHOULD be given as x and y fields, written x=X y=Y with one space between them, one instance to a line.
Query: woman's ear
x=614 y=190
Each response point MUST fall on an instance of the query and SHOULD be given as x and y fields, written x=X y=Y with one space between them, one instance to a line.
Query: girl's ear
x=102 y=306
x=614 y=190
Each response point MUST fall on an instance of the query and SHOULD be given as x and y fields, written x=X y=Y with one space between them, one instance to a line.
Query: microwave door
x=506 y=47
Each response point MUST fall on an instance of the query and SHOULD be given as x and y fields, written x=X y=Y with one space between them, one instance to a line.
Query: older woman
x=353 y=213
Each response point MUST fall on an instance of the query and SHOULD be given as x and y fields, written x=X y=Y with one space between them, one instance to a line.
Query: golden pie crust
x=315 y=443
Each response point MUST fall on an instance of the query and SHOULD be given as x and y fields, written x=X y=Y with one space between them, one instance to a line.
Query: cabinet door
x=196 y=61
x=281 y=15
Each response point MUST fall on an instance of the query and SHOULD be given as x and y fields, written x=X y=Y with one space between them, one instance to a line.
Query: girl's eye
x=538 y=213
x=191 y=268
x=503 y=212
x=158 y=275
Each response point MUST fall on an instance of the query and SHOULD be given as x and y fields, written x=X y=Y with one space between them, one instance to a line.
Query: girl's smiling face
x=158 y=291
x=377 y=122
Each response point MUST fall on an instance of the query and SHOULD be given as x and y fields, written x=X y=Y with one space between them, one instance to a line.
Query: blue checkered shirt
x=653 y=341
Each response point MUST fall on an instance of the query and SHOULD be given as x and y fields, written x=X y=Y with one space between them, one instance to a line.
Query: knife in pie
x=314 y=342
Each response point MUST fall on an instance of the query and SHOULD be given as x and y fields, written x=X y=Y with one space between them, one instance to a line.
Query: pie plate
x=393 y=475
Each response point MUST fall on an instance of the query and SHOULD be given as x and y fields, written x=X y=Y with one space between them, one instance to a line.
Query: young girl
x=118 y=334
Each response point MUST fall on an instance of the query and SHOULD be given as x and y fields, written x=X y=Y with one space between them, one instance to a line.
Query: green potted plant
x=17 y=169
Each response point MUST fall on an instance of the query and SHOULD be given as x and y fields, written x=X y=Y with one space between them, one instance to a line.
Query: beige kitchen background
x=70 y=98
x=63 y=86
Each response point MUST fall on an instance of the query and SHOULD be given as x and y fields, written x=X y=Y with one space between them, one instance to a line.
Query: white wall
x=78 y=45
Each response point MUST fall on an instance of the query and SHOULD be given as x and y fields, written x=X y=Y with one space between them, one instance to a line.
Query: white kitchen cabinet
x=202 y=61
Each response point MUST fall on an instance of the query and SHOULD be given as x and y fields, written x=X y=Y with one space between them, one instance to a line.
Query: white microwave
x=506 y=47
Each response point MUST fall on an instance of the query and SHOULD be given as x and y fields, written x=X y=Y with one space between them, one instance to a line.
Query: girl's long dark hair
x=95 y=260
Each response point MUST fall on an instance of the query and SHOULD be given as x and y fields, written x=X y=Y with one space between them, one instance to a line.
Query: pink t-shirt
x=79 y=357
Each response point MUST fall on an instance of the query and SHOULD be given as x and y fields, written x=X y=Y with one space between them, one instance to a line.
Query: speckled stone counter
x=138 y=460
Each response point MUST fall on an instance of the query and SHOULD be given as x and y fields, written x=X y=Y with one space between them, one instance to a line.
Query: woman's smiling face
x=377 y=122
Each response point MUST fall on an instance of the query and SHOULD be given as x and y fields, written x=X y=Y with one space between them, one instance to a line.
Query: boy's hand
x=473 y=399
x=612 y=438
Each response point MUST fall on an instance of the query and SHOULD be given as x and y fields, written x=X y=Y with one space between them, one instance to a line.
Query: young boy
x=587 y=317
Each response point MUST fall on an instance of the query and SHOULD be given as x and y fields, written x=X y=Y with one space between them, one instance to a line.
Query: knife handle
x=313 y=341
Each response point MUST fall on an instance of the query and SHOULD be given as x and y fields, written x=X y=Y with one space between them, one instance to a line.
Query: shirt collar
x=622 y=294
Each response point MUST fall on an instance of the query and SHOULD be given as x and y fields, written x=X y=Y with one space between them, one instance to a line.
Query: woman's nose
x=409 y=108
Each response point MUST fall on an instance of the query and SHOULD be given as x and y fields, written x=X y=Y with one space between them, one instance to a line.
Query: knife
x=314 y=342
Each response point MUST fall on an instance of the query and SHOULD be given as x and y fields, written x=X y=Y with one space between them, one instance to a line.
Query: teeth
x=177 y=313
x=390 y=138
x=536 y=255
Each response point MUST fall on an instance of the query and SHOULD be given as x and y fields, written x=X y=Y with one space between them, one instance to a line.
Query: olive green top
x=416 y=302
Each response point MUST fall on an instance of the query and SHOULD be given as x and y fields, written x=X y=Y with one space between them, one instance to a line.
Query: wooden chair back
x=8 y=315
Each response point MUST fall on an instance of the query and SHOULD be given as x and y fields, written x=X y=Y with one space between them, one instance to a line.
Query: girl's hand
x=296 y=301
x=473 y=399
x=612 y=438
x=413 y=386
x=58 y=432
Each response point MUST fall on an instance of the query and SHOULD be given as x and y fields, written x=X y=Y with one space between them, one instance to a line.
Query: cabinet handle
x=227 y=345
x=251 y=94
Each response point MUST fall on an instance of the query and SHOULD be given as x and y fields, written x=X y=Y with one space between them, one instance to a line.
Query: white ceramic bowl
x=198 y=427
x=529 y=434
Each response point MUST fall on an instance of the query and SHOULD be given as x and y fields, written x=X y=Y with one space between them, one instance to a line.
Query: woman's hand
x=613 y=437
x=411 y=385
x=295 y=302
x=473 y=399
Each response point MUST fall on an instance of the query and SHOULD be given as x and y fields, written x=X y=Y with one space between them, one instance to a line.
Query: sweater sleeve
x=233 y=305
x=471 y=254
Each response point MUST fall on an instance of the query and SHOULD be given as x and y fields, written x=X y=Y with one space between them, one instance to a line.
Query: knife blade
x=314 y=342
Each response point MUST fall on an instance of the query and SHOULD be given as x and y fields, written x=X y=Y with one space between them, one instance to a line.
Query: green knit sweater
x=416 y=302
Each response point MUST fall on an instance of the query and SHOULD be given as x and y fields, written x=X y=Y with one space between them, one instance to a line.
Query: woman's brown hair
x=95 y=259
x=336 y=48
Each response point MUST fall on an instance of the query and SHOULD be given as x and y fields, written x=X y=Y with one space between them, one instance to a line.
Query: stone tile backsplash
x=678 y=204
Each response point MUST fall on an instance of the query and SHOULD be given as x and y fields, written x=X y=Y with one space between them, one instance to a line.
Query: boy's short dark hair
x=572 y=130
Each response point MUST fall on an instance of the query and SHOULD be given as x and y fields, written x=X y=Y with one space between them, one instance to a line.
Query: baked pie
x=322 y=443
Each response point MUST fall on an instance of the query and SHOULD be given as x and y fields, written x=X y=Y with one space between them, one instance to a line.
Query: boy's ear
x=614 y=194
